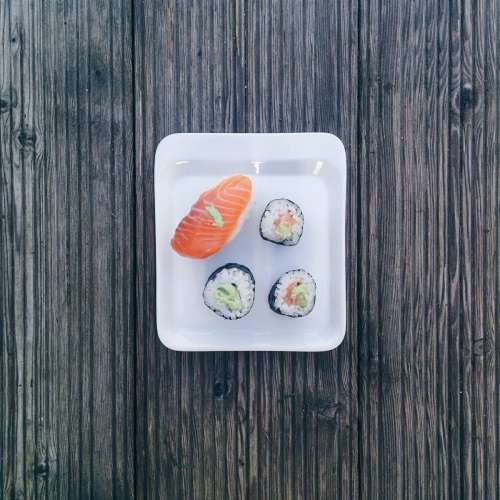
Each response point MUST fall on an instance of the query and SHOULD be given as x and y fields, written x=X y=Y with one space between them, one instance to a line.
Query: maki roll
x=282 y=222
x=294 y=294
x=230 y=291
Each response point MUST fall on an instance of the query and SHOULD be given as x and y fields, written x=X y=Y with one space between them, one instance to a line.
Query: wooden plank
x=126 y=310
x=14 y=238
x=433 y=137
x=310 y=423
x=453 y=248
x=43 y=458
x=149 y=435
x=257 y=67
x=84 y=379
x=5 y=268
x=362 y=305
x=102 y=265
x=410 y=282
x=466 y=251
x=477 y=209
x=369 y=354
x=443 y=274
x=416 y=187
x=71 y=351
x=219 y=478
x=252 y=428
x=184 y=457
x=388 y=229
x=287 y=428
x=275 y=433
x=298 y=465
x=496 y=289
x=264 y=444
x=55 y=229
x=243 y=434
x=329 y=403
x=302 y=368
x=348 y=355
x=107 y=262
x=491 y=241
x=231 y=426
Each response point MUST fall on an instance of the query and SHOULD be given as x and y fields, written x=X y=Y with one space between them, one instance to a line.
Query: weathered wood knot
x=388 y=87
x=41 y=469
x=220 y=390
x=329 y=410
x=26 y=138
x=8 y=101
x=467 y=99
x=325 y=409
x=482 y=346
x=17 y=36
x=4 y=105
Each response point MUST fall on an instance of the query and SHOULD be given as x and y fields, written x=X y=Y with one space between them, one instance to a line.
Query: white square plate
x=309 y=169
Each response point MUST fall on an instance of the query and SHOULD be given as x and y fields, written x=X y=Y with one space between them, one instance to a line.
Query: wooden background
x=92 y=406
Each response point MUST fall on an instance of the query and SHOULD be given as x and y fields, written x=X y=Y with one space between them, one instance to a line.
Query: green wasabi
x=299 y=295
x=228 y=295
x=216 y=216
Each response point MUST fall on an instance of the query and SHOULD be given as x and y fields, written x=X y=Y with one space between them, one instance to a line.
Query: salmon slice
x=215 y=218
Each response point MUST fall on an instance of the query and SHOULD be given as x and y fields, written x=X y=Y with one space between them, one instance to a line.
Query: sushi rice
x=283 y=299
x=282 y=222
x=230 y=291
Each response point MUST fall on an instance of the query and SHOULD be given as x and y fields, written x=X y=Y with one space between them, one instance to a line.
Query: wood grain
x=67 y=221
x=93 y=406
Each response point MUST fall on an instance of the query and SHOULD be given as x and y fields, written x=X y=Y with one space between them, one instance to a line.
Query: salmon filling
x=296 y=295
x=284 y=225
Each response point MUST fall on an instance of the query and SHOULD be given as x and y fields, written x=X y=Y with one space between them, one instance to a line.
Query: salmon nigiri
x=215 y=218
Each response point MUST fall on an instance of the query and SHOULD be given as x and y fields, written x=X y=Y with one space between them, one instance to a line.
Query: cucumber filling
x=227 y=294
x=299 y=296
